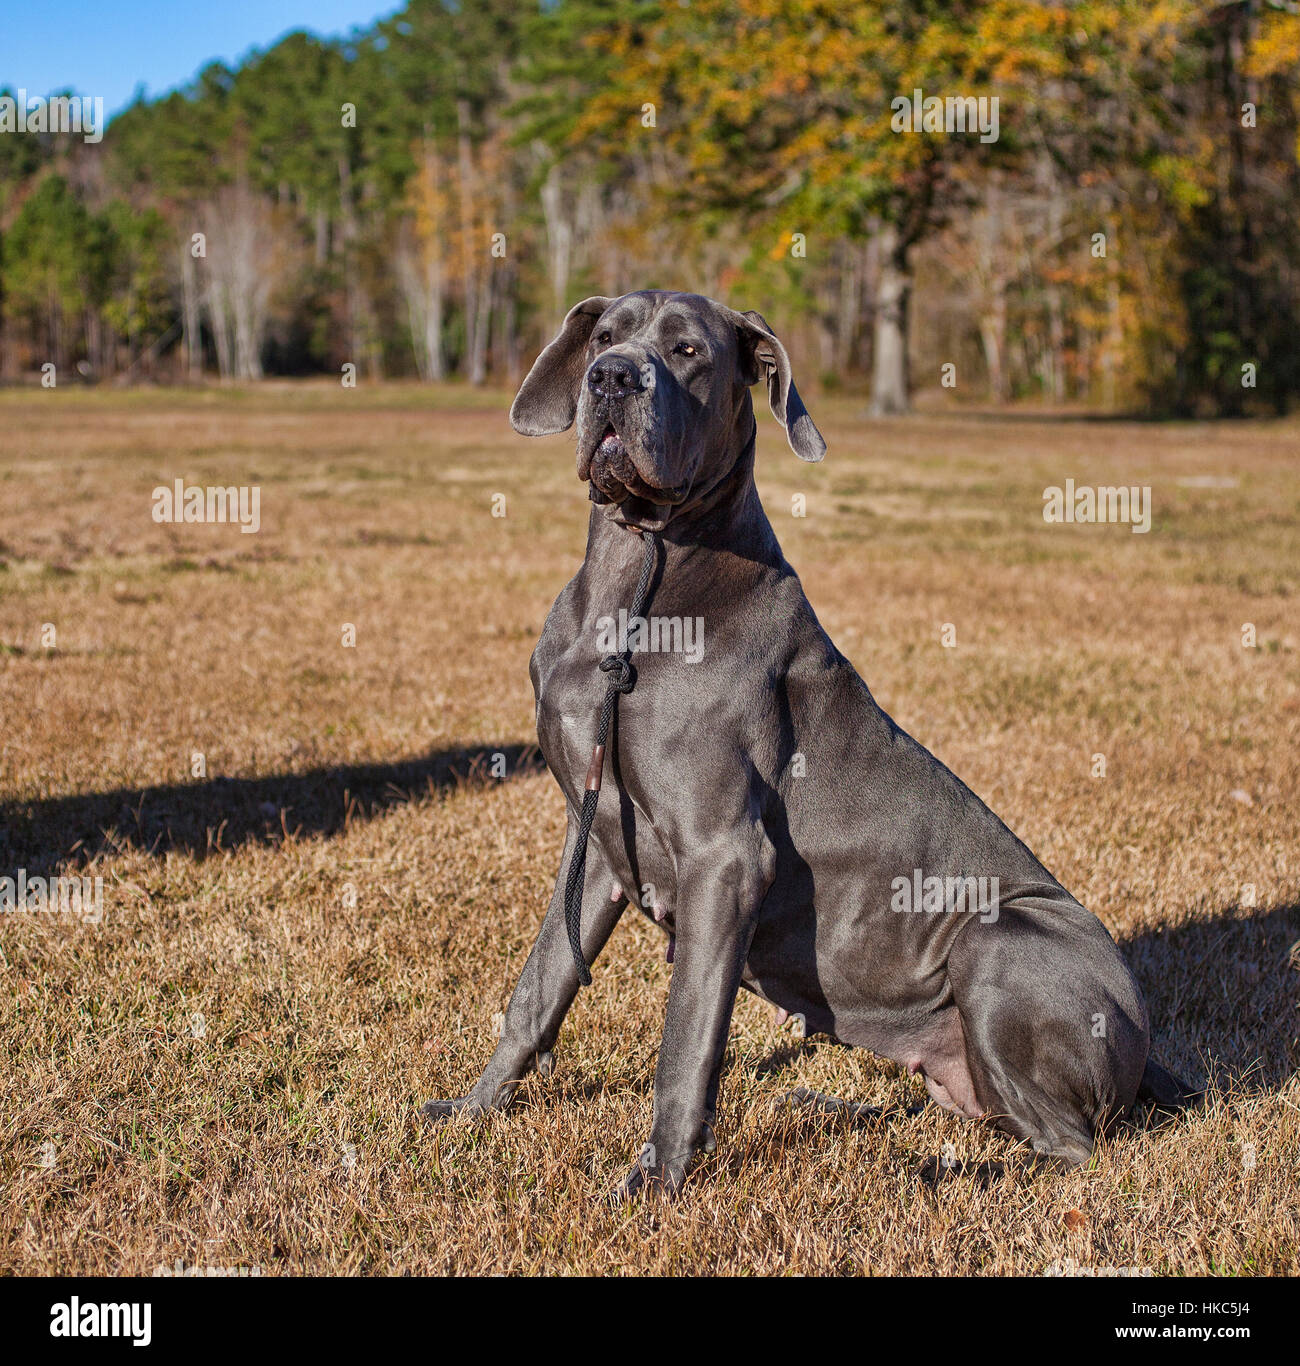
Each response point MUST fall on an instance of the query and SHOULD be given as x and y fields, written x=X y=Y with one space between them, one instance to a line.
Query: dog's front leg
x=717 y=909
x=545 y=991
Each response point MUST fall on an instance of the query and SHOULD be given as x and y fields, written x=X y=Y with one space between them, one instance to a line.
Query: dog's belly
x=639 y=865
x=900 y=1008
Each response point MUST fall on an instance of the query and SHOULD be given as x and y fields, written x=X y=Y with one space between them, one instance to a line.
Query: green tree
x=51 y=257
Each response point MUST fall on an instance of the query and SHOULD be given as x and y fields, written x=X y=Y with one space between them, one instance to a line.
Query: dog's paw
x=663 y=1179
x=935 y=1171
x=659 y=1180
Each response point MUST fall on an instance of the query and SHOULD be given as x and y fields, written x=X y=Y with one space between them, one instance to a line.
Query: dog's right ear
x=548 y=398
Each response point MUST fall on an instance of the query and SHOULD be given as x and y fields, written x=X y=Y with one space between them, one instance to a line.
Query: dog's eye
x=604 y=339
x=684 y=349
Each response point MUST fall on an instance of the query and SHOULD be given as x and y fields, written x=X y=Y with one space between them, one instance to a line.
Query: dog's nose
x=613 y=377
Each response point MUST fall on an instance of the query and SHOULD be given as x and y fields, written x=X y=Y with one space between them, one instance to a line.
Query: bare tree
x=191 y=319
x=419 y=274
x=241 y=272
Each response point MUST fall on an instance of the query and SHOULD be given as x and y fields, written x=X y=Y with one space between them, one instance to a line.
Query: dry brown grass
x=327 y=1024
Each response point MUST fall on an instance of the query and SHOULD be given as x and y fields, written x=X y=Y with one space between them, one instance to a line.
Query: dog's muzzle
x=615 y=385
x=614 y=472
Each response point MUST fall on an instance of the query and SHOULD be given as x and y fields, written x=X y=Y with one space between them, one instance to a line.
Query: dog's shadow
x=59 y=834
x=1221 y=994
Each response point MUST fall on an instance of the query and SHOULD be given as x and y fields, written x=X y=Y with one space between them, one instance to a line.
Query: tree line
x=1084 y=202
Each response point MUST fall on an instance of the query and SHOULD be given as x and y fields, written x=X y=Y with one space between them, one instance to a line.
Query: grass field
x=301 y=945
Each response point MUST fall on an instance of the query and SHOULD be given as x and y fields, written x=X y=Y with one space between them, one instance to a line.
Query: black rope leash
x=622 y=679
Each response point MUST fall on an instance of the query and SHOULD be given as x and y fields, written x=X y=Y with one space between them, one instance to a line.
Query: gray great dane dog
x=800 y=844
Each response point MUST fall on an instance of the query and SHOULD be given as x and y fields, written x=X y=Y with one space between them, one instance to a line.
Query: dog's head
x=659 y=383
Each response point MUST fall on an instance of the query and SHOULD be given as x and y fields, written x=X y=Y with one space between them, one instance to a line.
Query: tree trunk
x=192 y=343
x=482 y=322
x=505 y=276
x=849 y=311
x=221 y=331
x=1110 y=355
x=469 y=265
x=434 y=285
x=433 y=313
x=322 y=236
x=993 y=270
x=419 y=274
x=1055 y=377
x=993 y=329
x=889 y=369
x=358 y=306
x=559 y=241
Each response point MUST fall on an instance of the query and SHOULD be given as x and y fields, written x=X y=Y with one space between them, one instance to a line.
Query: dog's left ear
x=761 y=354
x=548 y=398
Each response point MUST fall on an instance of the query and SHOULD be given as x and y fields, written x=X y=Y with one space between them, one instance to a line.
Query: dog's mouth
x=610 y=446
x=614 y=476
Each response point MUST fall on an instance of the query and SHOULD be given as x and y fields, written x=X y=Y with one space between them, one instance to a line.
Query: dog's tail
x=1164 y=1089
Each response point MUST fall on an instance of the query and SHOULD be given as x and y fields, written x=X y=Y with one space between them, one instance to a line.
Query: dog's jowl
x=801 y=845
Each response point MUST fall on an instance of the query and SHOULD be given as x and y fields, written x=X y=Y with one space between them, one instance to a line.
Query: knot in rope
x=625 y=674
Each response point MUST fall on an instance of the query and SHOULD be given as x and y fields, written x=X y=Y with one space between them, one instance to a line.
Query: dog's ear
x=762 y=355
x=548 y=398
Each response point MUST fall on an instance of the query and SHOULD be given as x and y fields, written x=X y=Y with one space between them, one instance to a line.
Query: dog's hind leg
x=1056 y=1031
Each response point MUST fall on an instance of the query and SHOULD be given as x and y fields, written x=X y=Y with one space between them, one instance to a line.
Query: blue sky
x=109 y=49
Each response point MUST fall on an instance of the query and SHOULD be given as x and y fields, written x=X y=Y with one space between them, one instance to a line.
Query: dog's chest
x=570 y=691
